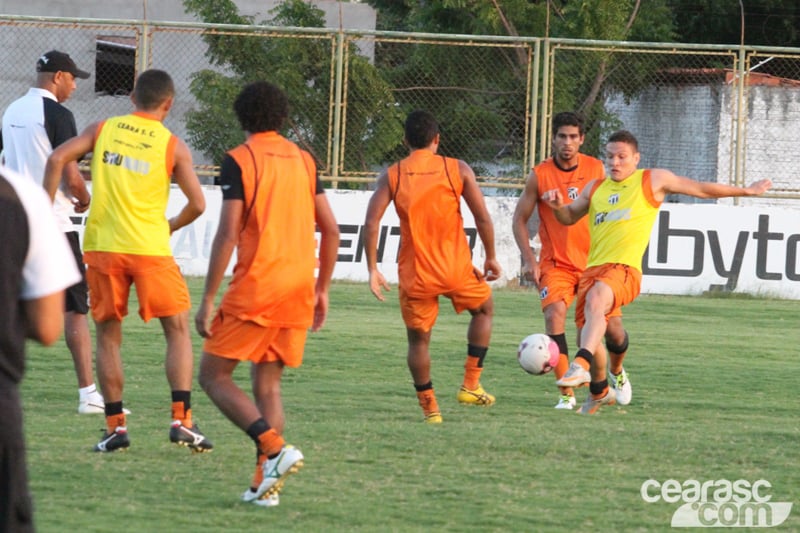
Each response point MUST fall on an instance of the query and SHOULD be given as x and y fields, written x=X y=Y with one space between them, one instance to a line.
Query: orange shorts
x=558 y=285
x=160 y=287
x=244 y=340
x=625 y=283
x=421 y=312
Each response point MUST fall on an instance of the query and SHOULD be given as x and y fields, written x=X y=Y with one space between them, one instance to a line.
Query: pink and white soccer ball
x=538 y=354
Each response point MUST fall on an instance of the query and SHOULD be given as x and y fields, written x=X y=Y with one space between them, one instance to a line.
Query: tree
x=301 y=67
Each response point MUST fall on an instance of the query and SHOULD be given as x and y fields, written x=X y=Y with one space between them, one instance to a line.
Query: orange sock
x=583 y=362
x=561 y=369
x=427 y=400
x=270 y=443
x=258 y=475
x=179 y=412
x=115 y=421
x=472 y=373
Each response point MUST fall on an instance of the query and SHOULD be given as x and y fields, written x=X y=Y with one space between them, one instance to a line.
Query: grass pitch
x=714 y=383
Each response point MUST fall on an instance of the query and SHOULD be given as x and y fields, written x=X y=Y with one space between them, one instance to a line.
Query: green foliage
x=301 y=67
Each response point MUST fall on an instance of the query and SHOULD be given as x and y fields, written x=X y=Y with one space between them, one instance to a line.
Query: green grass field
x=714 y=398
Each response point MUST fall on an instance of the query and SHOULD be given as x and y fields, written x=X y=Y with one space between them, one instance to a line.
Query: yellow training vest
x=131 y=168
x=621 y=217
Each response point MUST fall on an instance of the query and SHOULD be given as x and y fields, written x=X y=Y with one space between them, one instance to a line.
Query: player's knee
x=616 y=344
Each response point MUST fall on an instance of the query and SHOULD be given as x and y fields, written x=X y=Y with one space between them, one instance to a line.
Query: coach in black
x=33 y=126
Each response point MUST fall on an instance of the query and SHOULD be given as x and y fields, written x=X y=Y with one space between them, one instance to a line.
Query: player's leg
x=555 y=318
x=617 y=345
x=479 y=334
x=112 y=380
x=419 y=316
x=179 y=367
x=475 y=296
x=78 y=337
x=418 y=359
x=109 y=305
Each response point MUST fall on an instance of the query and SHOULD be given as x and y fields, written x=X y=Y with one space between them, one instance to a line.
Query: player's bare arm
x=225 y=240
x=76 y=186
x=184 y=175
x=328 y=252
x=65 y=154
x=377 y=206
x=666 y=182
x=44 y=317
x=526 y=205
x=483 y=221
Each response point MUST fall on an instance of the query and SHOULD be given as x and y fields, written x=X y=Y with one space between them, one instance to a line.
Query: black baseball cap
x=55 y=61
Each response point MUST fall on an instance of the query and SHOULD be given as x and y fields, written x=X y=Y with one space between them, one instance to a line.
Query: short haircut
x=261 y=106
x=624 y=136
x=152 y=88
x=420 y=129
x=568 y=118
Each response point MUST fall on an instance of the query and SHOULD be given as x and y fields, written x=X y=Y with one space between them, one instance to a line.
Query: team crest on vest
x=613 y=199
x=572 y=193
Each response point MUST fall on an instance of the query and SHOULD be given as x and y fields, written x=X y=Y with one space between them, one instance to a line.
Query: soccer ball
x=538 y=354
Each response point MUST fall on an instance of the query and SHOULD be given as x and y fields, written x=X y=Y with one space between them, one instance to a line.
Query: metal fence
x=708 y=112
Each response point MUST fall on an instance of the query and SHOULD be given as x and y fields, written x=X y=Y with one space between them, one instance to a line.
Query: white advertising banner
x=693 y=247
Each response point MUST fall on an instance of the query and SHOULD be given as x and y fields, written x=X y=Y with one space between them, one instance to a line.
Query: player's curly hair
x=261 y=106
x=420 y=129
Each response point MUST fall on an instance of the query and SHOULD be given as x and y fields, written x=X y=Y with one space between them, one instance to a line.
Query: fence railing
x=709 y=112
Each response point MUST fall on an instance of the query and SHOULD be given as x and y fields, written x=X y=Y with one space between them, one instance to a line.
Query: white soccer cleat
x=622 y=386
x=91 y=405
x=277 y=469
x=566 y=402
x=575 y=377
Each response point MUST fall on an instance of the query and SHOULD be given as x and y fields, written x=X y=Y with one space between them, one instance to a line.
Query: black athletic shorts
x=77 y=296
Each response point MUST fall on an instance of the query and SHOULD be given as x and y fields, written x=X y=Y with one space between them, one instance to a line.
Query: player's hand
x=759 y=187
x=378 y=284
x=201 y=319
x=80 y=207
x=531 y=272
x=492 y=269
x=553 y=198
x=320 y=310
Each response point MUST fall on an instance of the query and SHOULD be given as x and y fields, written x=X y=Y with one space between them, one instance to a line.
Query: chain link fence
x=714 y=113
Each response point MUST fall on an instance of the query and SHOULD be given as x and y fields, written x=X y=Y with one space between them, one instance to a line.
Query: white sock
x=87 y=391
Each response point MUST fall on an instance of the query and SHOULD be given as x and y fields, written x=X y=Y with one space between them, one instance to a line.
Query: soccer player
x=434 y=258
x=33 y=126
x=564 y=248
x=35 y=267
x=272 y=200
x=126 y=243
x=622 y=210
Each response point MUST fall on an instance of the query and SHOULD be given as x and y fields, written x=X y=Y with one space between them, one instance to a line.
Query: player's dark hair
x=261 y=106
x=152 y=88
x=420 y=129
x=568 y=118
x=624 y=136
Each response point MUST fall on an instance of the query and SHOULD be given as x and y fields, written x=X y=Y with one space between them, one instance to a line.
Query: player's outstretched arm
x=375 y=209
x=665 y=182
